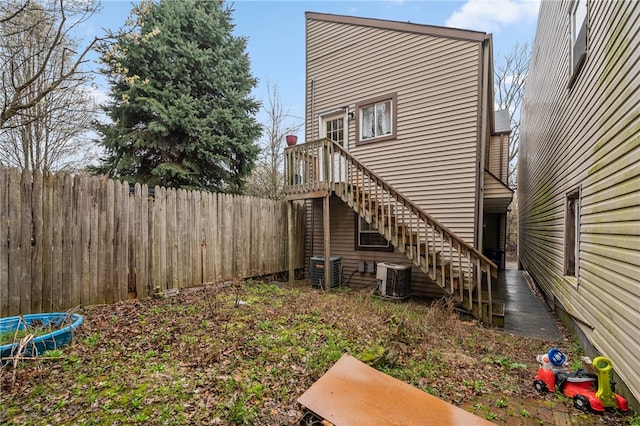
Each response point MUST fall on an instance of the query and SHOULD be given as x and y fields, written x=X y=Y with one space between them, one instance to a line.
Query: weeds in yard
x=204 y=357
x=501 y=403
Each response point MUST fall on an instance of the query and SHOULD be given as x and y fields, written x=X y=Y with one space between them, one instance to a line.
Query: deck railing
x=322 y=166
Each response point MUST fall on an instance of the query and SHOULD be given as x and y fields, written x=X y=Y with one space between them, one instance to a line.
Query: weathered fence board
x=69 y=240
x=4 y=237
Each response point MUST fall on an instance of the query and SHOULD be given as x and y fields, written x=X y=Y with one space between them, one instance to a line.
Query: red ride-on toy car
x=590 y=387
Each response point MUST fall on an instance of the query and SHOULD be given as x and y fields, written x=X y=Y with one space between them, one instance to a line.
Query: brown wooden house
x=579 y=175
x=406 y=159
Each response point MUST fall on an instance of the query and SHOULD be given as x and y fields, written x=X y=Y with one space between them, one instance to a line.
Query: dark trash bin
x=496 y=255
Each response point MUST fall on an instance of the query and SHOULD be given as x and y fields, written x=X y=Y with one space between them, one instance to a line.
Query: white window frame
x=391 y=101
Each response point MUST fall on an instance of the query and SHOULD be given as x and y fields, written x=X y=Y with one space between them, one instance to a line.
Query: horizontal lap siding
x=587 y=136
x=499 y=156
x=433 y=159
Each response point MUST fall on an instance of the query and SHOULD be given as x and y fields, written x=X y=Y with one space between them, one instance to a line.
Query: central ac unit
x=394 y=280
x=316 y=271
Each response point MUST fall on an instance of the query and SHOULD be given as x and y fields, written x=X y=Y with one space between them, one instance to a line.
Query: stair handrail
x=398 y=196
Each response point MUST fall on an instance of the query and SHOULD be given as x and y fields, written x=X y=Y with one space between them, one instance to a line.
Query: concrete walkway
x=526 y=314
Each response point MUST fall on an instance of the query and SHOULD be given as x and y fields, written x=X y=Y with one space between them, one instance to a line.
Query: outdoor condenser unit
x=394 y=280
x=316 y=270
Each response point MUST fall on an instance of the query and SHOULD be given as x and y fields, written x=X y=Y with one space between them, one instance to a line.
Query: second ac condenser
x=394 y=280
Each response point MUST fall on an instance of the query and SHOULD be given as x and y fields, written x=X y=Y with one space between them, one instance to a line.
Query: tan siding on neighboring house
x=586 y=135
x=499 y=156
x=433 y=159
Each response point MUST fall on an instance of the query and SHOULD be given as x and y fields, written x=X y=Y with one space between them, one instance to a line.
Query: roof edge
x=434 y=30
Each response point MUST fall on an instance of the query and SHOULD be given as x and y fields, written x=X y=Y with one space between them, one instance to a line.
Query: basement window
x=368 y=238
x=572 y=234
x=376 y=119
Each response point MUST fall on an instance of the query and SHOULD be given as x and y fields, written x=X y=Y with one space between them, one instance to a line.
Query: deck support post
x=327 y=242
x=292 y=242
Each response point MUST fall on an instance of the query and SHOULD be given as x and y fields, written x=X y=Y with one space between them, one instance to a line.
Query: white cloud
x=100 y=95
x=491 y=15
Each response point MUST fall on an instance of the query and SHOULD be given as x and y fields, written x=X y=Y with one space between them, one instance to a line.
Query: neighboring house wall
x=433 y=159
x=579 y=176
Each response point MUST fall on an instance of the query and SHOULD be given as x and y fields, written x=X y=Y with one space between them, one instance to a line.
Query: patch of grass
x=501 y=403
x=53 y=353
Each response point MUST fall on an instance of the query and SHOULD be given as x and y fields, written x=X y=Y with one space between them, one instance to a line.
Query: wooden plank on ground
x=353 y=393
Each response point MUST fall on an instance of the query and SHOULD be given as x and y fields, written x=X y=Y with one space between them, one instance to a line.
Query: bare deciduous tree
x=46 y=104
x=267 y=179
x=510 y=78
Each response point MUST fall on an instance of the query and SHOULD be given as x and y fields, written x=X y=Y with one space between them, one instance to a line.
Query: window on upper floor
x=578 y=35
x=572 y=233
x=376 y=119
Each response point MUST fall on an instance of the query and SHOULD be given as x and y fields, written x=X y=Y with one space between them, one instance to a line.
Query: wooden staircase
x=316 y=169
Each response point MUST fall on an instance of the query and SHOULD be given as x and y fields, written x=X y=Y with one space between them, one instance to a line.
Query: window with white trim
x=376 y=119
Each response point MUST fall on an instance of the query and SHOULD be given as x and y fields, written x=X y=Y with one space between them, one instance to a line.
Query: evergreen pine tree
x=181 y=110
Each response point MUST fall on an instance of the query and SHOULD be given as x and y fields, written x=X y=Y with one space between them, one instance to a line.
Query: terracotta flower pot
x=292 y=140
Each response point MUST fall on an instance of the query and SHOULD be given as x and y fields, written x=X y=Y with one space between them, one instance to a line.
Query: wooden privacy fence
x=80 y=240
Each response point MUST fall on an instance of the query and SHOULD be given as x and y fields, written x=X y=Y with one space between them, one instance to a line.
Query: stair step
x=404 y=236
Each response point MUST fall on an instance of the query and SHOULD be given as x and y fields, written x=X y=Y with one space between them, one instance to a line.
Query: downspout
x=485 y=79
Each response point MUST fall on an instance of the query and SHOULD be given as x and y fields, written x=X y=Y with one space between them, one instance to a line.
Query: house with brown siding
x=405 y=159
x=579 y=175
